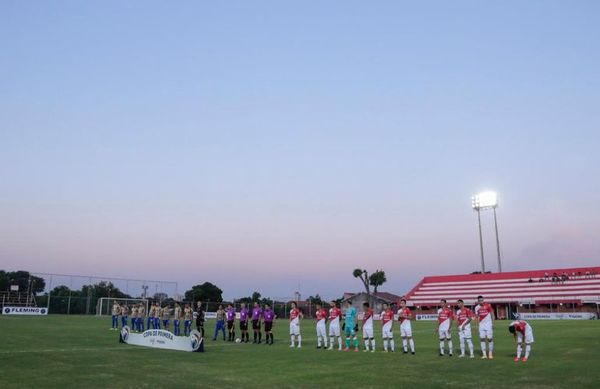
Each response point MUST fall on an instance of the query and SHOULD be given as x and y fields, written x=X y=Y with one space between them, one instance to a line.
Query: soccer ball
x=238 y=340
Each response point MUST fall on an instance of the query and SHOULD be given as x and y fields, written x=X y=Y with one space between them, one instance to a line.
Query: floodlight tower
x=481 y=202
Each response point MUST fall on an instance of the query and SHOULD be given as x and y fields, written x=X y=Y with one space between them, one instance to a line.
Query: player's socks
x=372 y=344
x=450 y=347
x=340 y=342
x=527 y=351
x=331 y=342
x=471 y=347
x=405 y=345
x=441 y=347
x=367 y=344
x=292 y=341
x=412 y=345
x=462 y=347
x=299 y=340
x=385 y=344
x=483 y=349
x=355 y=342
x=519 y=349
x=392 y=345
x=347 y=342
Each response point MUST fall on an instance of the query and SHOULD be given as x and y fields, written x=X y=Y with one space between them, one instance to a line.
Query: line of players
x=158 y=317
x=463 y=316
x=347 y=322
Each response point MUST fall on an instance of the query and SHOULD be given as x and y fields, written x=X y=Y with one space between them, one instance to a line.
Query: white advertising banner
x=557 y=316
x=24 y=311
x=163 y=339
x=431 y=316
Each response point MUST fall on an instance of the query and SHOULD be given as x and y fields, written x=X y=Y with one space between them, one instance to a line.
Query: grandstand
x=538 y=290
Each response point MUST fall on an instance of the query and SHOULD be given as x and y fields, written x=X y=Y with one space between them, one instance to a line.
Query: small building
x=377 y=299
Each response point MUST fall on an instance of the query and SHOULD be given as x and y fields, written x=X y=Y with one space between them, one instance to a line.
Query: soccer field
x=77 y=351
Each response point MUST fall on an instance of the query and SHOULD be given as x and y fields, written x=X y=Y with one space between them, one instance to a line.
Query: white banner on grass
x=163 y=339
x=426 y=317
x=25 y=311
x=557 y=316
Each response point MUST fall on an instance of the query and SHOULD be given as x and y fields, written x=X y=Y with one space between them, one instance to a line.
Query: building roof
x=385 y=296
x=582 y=286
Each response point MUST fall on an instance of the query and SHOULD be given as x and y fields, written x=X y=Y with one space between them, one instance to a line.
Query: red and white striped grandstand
x=575 y=286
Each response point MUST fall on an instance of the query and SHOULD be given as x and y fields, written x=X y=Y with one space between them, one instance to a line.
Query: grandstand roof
x=524 y=287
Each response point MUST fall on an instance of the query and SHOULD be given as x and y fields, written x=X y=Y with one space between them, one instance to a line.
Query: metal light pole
x=481 y=241
x=497 y=240
x=481 y=202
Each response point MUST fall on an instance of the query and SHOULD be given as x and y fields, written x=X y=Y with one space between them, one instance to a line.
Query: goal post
x=104 y=305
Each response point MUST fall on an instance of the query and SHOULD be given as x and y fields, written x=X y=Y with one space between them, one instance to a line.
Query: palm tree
x=364 y=277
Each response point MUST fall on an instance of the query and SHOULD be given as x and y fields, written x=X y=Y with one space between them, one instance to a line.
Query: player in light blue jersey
x=351 y=325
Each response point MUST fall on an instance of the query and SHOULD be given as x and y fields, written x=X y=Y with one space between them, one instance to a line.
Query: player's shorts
x=406 y=329
x=268 y=326
x=256 y=324
x=444 y=334
x=294 y=329
x=321 y=330
x=486 y=332
x=465 y=333
x=386 y=331
x=244 y=325
x=350 y=330
x=230 y=325
x=368 y=332
x=334 y=330
x=528 y=336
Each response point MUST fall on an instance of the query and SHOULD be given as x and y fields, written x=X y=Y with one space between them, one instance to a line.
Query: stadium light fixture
x=481 y=202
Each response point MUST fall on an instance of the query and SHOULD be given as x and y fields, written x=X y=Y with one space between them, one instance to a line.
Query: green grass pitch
x=81 y=351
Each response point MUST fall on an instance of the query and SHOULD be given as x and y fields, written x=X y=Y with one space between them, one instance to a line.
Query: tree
x=256 y=296
x=377 y=279
x=316 y=299
x=204 y=292
x=363 y=275
x=23 y=279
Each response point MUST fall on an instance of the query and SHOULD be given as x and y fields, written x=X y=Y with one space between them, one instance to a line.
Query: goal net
x=104 y=306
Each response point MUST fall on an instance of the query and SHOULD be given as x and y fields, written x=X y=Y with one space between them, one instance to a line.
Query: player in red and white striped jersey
x=522 y=331
x=444 y=324
x=485 y=315
x=321 y=315
x=463 y=318
x=367 y=327
x=404 y=317
x=295 y=316
x=387 y=320
x=334 y=325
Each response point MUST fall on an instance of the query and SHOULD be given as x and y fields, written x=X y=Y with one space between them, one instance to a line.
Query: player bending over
x=485 y=314
x=295 y=316
x=367 y=328
x=334 y=325
x=387 y=320
x=256 y=316
x=404 y=317
x=444 y=325
x=269 y=317
x=244 y=323
x=321 y=315
x=522 y=331
x=350 y=326
x=463 y=319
